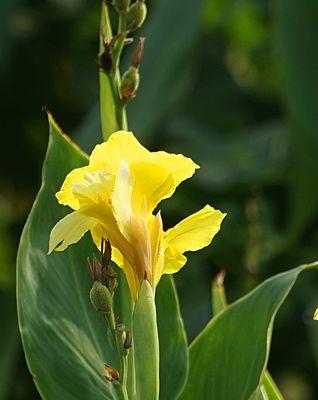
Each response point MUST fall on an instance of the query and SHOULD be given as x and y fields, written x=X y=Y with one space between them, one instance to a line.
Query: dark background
x=231 y=83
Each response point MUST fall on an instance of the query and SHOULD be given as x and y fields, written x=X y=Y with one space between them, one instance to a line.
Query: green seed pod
x=101 y=298
x=121 y=5
x=136 y=15
x=130 y=83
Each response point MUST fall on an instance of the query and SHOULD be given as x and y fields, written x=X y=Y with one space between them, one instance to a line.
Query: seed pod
x=136 y=15
x=130 y=83
x=121 y=5
x=101 y=298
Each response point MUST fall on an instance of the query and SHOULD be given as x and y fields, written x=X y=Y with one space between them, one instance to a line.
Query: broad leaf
x=268 y=389
x=234 y=346
x=64 y=338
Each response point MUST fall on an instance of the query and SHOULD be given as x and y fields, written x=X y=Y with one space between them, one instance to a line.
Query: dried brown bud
x=95 y=268
x=219 y=279
x=128 y=341
x=111 y=373
x=135 y=62
x=106 y=251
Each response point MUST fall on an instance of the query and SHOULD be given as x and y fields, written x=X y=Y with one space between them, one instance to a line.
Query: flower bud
x=130 y=83
x=136 y=15
x=127 y=343
x=101 y=298
x=111 y=279
x=121 y=5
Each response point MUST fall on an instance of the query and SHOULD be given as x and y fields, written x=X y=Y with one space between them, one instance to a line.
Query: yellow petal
x=173 y=261
x=152 y=183
x=120 y=145
x=123 y=144
x=179 y=166
x=65 y=196
x=195 y=231
x=70 y=230
x=191 y=234
x=95 y=188
x=157 y=249
x=121 y=199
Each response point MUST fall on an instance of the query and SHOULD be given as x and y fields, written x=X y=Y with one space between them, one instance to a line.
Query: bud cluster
x=104 y=280
x=131 y=17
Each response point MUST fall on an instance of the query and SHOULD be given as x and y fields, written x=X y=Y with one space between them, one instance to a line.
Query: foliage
x=243 y=107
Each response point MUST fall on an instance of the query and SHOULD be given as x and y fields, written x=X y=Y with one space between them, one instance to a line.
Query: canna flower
x=115 y=197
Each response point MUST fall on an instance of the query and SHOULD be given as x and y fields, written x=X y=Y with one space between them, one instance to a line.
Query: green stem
x=113 y=109
x=118 y=48
x=119 y=347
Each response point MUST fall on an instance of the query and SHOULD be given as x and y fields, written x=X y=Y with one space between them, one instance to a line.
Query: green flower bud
x=136 y=15
x=121 y=5
x=101 y=298
x=130 y=83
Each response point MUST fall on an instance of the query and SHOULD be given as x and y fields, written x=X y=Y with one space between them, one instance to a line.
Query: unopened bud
x=111 y=279
x=136 y=15
x=106 y=251
x=121 y=5
x=127 y=343
x=130 y=83
x=101 y=298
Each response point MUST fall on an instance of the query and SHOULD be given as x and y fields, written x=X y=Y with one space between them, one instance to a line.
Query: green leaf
x=234 y=346
x=64 y=338
x=270 y=388
x=172 y=339
x=146 y=345
x=296 y=40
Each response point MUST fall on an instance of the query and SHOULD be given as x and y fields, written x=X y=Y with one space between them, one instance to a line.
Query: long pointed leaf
x=234 y=346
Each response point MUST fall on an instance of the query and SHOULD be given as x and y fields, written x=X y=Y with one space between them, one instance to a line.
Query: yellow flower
x=115 y=196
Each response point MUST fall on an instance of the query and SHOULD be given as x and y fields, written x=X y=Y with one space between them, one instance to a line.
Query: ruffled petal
x=152 y=183
x=120 y=144
x=66 y=196
x=179 y=166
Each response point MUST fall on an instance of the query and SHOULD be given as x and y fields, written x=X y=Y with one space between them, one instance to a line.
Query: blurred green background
x=233 y=84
